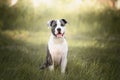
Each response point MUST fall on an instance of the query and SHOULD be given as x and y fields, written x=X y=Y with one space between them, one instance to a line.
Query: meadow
x=93 y=36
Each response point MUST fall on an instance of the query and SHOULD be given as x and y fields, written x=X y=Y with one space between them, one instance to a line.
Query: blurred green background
x=93 y=35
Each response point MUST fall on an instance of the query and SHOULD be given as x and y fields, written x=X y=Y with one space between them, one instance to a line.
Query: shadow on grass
x=19 y=60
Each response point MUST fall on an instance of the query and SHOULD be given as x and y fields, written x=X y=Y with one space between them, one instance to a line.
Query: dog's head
x=57 y=27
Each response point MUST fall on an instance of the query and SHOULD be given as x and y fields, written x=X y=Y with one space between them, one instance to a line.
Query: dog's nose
x=58 y=29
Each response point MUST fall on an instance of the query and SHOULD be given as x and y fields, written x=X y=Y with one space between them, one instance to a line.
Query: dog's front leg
x=63 y=64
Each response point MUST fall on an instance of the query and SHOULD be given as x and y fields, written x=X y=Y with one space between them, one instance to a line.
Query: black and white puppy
x=57 y=46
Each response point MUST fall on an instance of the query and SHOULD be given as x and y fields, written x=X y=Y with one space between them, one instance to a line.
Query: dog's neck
x=57 y=40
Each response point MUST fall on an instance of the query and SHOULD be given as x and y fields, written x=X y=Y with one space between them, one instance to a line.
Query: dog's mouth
x=60 y=35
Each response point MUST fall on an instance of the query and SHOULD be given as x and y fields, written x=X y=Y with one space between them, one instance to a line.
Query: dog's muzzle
x=59 y=33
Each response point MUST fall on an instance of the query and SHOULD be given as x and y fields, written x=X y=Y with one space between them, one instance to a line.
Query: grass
x=93 y=39
x=89 y=59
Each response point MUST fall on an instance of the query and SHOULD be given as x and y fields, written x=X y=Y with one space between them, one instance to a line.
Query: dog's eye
x=62 y=25
x=54 y=25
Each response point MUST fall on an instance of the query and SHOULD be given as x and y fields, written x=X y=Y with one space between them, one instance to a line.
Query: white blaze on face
x=61 y=34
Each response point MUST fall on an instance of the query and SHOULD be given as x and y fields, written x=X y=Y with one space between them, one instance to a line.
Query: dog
x=57 y=48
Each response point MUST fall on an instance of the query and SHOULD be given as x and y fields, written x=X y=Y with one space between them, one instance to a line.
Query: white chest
x=58 y=49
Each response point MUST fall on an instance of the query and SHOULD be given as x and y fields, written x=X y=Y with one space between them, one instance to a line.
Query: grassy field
x=21 y=54
x=93 y=36
x=20 y=58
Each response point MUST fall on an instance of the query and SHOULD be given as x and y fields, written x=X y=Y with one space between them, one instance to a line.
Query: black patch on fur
x=53 y=25
x=63 y=22
x=53 y=31
x=48 y=61
x=49 y=58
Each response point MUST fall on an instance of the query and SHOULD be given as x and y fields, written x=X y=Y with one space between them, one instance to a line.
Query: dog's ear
x=51 y=23
x=63 y=22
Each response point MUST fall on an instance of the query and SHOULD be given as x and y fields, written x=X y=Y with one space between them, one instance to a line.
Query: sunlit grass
x=29 y=37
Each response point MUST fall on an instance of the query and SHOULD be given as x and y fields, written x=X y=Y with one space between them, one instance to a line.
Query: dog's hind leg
x=48 y=61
